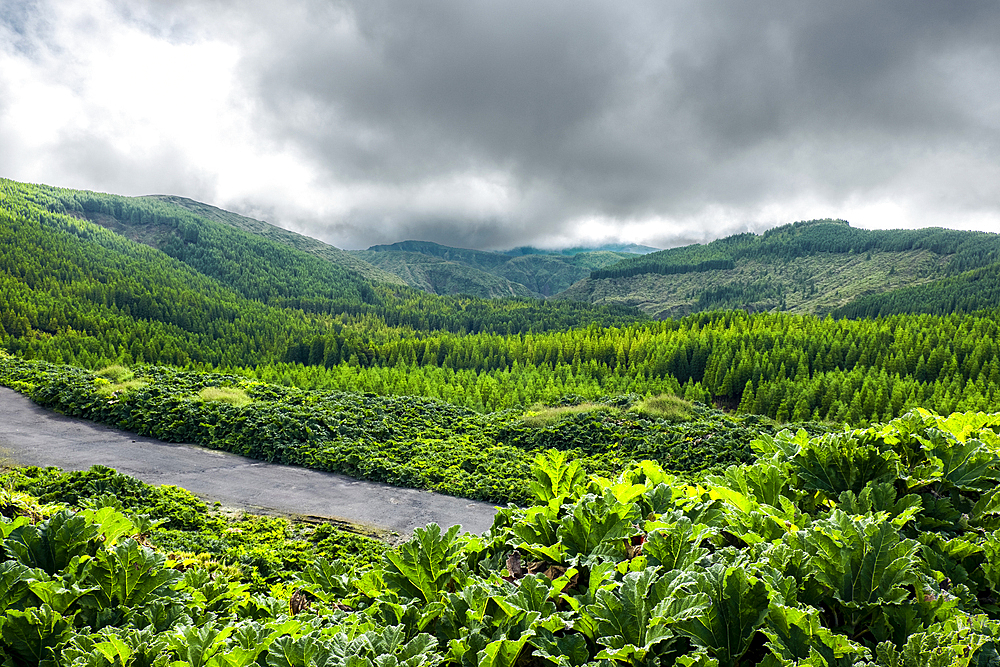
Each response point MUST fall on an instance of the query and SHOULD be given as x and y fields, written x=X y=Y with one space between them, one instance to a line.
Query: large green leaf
x=556 y=477
x=675 y=546
x=795 y=634
x=968 y=465
x=58 y=594
x=113 y=525
x=633 y=619
x=862 y=559
x=597 y=527
x=835 y=463
x=130 y=574
x=197 y=645
x=14 y=580
x=35 y=634
x=738 y=606
x=52 y=544
x=425 y=565
x=564 y=650
x=765 y=481
x=306 y=651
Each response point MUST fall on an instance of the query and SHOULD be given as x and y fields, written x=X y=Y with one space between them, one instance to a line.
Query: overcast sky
x=499 y=124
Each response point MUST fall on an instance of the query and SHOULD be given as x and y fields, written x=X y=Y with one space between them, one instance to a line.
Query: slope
x=197 y=291
x=283 y=236
x=967 y=292
x=806 y=267
x=436 y=275
x=441 y=269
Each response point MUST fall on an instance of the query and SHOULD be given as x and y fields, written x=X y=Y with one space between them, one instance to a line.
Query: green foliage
x=406 y=441
x=751 y=567
x=116 y=373
x=170 y=519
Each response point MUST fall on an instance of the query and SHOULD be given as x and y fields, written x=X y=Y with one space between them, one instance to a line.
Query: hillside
x=967 y=292
x=437 y=275
x=441 y=269
x=808 y=267
x=283 y=236
x=197 y=291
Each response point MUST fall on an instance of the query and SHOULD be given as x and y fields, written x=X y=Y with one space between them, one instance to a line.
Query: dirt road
x=32 y=435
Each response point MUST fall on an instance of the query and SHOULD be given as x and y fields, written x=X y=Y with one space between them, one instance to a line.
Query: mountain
x=441 y=269
x=88 y=278
x=280 y=235
x=817 y=266
x=437 y=275
x=628 y=248
x=967 y=292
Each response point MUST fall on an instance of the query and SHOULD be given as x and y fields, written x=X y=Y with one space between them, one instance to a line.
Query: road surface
x=33 y=435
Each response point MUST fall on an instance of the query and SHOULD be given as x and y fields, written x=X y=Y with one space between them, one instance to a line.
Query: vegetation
x=73 y=291
x=664 y=406
x=868 y=547
x=262 y=551
x=444 y=270
x=406 y=441
x=967 y=292
x=818 y=267
x=643 y=527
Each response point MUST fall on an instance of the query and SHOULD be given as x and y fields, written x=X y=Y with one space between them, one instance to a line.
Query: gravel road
x=33 y=435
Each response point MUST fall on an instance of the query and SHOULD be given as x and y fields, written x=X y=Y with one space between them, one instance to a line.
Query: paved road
x=32 y=435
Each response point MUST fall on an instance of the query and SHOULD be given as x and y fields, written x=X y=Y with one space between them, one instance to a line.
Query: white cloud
x=468 y=122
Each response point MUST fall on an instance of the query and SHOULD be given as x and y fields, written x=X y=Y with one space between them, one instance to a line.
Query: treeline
x=75 y=292
x=780 y=365
x=965 y=250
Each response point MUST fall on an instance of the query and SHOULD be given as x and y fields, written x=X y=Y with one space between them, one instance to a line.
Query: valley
x=775 y=449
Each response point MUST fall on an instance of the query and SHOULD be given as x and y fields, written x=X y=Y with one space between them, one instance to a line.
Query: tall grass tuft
x=232 y=395
x=540 y=415
x=665 y=406
x=116 y=373
x=119 y=387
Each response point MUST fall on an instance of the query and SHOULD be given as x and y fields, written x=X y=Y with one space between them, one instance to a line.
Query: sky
x=500 y=124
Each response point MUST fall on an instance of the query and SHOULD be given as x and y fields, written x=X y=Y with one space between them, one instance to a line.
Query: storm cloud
x=494 y=125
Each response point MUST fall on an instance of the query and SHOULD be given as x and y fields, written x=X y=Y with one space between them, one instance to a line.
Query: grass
x=231 y=395
x=116 y=374
x=665 y=406
x=112 y=389
x=543 y=415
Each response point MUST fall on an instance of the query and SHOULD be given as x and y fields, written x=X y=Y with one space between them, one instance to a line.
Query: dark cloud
x=499 y=124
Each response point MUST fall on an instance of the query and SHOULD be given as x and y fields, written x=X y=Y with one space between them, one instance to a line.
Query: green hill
x=199 y=291
x=441 y=269
x=283 y=236
x=807 y=267
x=435 y=274
x=967 y=292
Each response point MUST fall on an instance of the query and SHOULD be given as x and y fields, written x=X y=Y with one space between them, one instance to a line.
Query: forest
x=723 y=488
